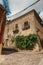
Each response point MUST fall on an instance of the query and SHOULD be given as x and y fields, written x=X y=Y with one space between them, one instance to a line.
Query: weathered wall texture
x=10 y=27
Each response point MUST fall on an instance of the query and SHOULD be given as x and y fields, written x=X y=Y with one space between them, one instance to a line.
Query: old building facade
x=23 y=25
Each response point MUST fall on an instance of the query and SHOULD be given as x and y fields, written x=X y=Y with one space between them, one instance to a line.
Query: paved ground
x=41 y=62
x=23 y=58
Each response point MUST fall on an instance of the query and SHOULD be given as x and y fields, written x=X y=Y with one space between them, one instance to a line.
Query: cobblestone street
x=23 y=58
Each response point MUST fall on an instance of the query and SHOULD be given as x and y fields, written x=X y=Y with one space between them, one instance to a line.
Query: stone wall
x=10 y=27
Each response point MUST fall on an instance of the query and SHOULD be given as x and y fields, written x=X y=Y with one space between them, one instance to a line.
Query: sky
x=19 y=5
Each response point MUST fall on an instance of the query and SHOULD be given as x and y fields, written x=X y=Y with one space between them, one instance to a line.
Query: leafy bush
x=32 y=37
x=19 y=41
x=25 y=42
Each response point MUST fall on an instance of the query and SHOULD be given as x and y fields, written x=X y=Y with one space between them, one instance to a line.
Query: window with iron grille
x=26 y=25
x=16 y=29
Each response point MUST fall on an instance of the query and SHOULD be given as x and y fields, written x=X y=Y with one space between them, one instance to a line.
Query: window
x=26 y=25
x=16 y=26
x=16 y=29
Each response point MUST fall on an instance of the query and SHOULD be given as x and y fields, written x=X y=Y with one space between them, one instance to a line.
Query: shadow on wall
x=7 y=51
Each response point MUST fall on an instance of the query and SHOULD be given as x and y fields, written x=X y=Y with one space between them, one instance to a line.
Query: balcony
x=15 y=31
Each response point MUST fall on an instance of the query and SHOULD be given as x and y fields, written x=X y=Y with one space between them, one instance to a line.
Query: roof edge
x=36 y=14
